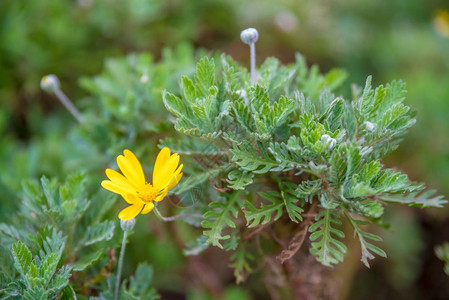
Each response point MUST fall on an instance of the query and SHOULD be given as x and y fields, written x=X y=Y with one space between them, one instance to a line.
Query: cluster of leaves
x=117 y=115
x=288 y=147
x=60 y=232
x=125 y=105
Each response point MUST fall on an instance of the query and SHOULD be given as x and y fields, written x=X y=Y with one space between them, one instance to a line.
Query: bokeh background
x=396 y=39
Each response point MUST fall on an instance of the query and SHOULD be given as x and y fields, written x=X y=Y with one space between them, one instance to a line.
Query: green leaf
x=87 y=260
x=309 y=188
x=221 y=214
x=238 y=179
x=263 y=215
x=141 y=281
x=48 y=267
x=205 y=76
x=416 y=199
x=246 y=157
x=22 y=257
x=68 y=293
x=176 y=106
x=367 y=247
x=325 y=245
x=49 y=188
x=37 y=293
x=197 y=246
x=60 y=280
x=240 y=262
x=103 y=231
x=291 y=201
x=188 y=89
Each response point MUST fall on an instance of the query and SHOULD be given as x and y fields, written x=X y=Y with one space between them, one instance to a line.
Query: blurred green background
x=396 y=39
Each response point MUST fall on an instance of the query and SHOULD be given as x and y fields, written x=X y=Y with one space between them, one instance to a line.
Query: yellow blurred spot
x=441 y=22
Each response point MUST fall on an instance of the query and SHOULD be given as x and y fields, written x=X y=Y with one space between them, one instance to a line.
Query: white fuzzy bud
x=50 y=83
x=249 y=36
x=331 y=142
x=144 y=78
x=369 y=126
x=241 y=93
x=127 y=225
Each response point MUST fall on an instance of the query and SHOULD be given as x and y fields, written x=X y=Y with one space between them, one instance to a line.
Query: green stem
x=120 y=266
x=177 y=217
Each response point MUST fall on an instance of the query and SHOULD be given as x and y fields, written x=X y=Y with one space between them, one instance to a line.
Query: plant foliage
x=297 y=148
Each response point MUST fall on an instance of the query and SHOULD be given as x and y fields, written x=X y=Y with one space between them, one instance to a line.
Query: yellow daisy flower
x=133 y=187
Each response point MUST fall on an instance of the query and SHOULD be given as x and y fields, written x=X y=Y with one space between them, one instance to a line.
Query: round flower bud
x=369 y=126
x=127 y=225
x=50 y=83
x=144 y=78
x=249 y=36
x=331 y=142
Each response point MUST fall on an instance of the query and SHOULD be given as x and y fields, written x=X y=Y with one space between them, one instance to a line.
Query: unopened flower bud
x=241 y=93
x=144 y=78
x=127 y=225
x=50 y=83
x=369 y=126
x=331 y=142
x=249 y=36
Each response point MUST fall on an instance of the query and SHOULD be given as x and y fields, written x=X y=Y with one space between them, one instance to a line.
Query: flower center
x=148 y=193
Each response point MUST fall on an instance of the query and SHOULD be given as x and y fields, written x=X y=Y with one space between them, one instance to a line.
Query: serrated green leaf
x=416 y=199
x=22 y=257
x=37 y=293
x=103 y=231
x=205 y=76
x=48 y=267
x=87 y=260
x=264 y=214
x=246 y=157
x=60 y=280
x=238 y=179
x=220 y=215
x=363 y=237
x=240 y=262
x=325 y=245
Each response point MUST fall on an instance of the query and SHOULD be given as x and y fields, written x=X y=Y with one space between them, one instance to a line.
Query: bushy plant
x=290 y=157
x=278 y=168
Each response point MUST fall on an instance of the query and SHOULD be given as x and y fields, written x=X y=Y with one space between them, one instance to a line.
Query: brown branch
x=294 y=245
x=214 y=185
x=298 y=239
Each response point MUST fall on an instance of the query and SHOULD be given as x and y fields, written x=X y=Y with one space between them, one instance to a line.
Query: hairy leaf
x=325 y=244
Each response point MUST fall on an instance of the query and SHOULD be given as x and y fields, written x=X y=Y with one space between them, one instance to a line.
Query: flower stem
x=120 y=265
x=68 y=104
x=252 y=50
x=177 y=217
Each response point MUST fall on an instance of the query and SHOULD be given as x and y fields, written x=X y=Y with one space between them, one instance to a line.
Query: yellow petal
x=174 y=181
x=137 y=167
x=134 y=199
x=161 y=196
x=161 y=159
x=116 y=188
x=131 y=171
x=118 y=178
x=130 y=212
x=125 y=196
x=163 y=175
x=148 y=207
